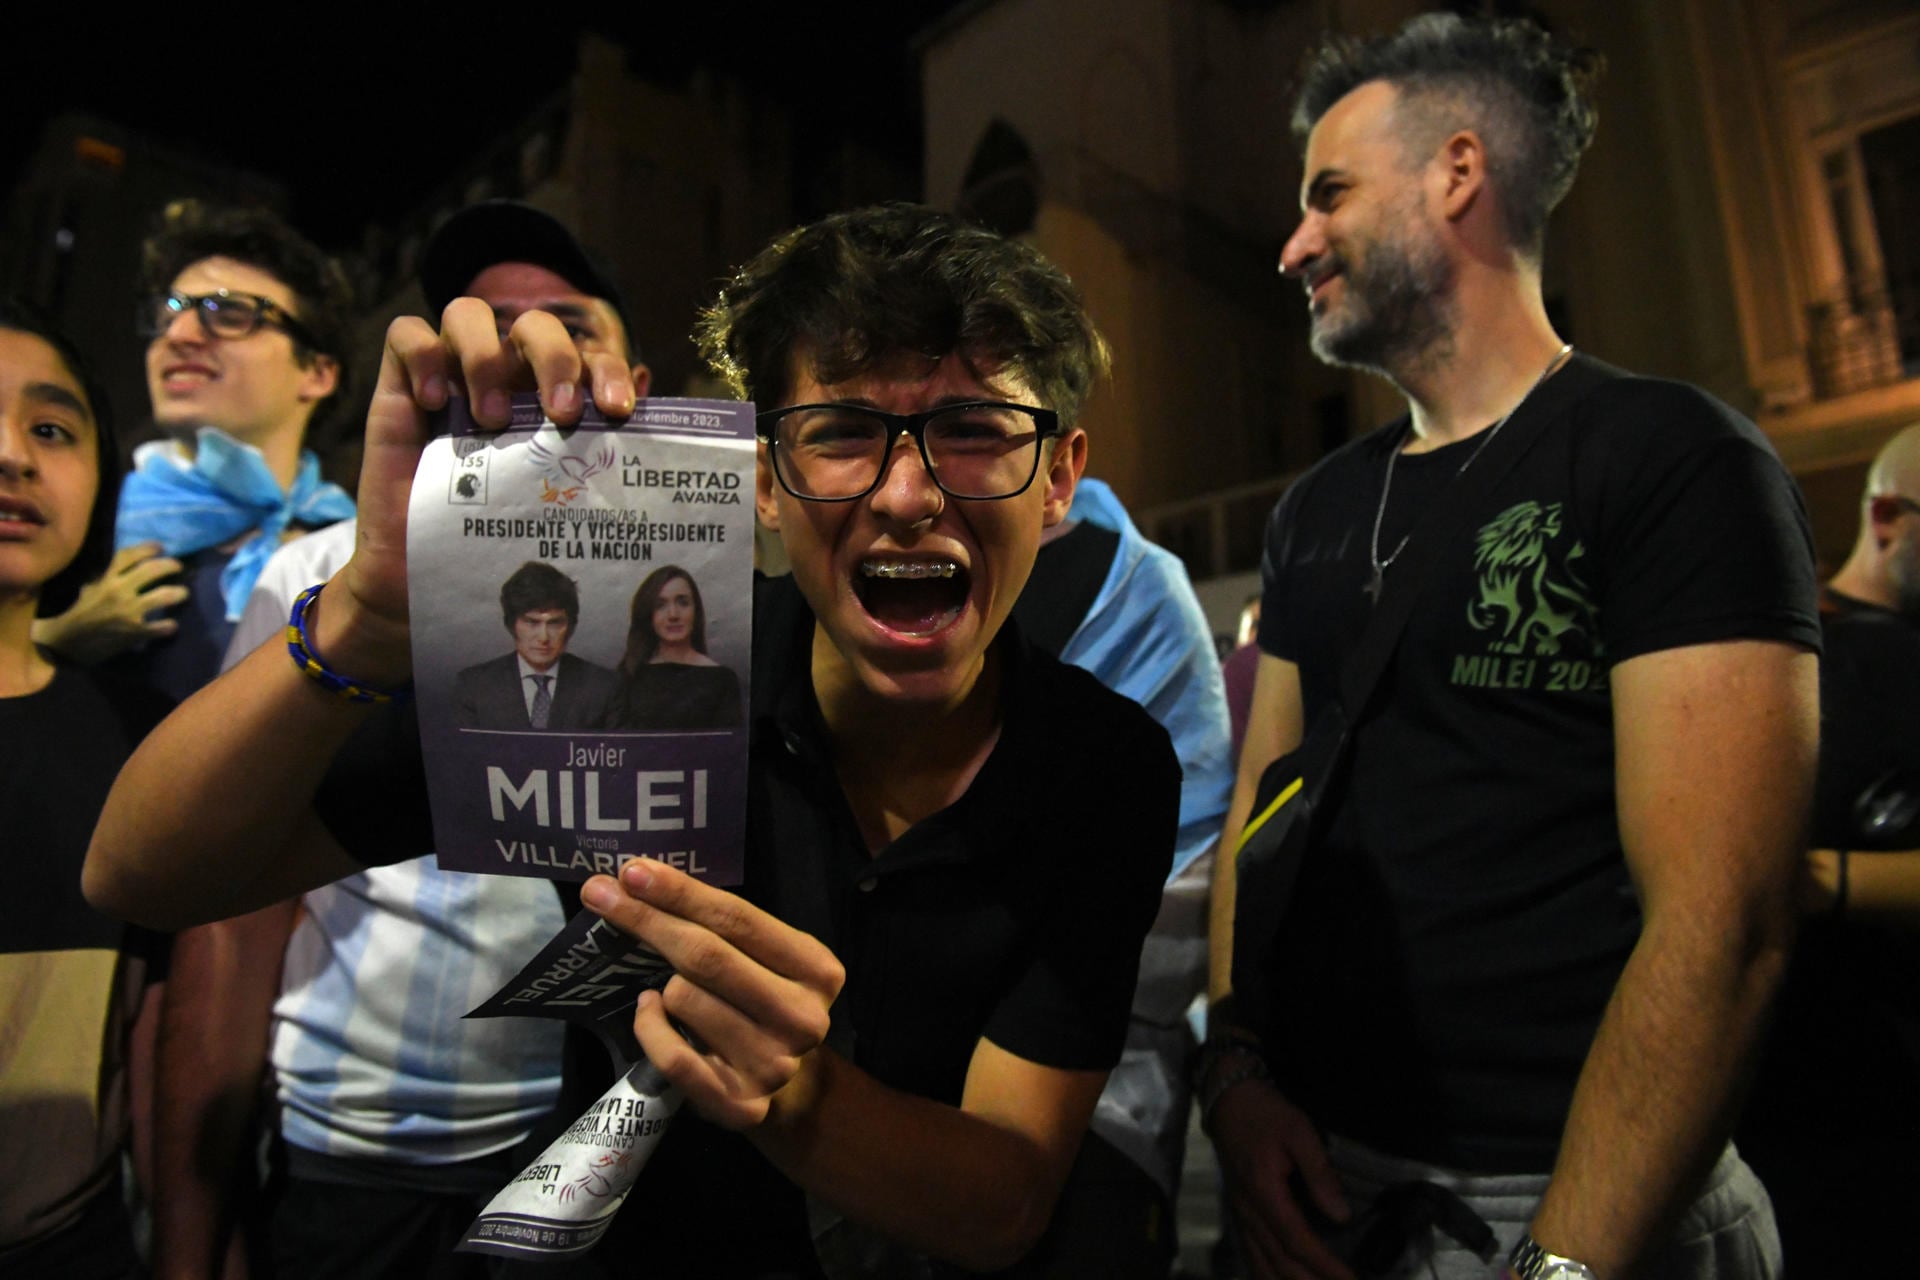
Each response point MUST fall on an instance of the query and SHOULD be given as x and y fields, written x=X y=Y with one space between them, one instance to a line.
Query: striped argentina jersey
x=371 y=1056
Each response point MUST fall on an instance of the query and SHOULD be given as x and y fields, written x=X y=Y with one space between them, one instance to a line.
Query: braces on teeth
x=909 y=569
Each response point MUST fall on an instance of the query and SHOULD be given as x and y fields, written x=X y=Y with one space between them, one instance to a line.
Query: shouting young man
x=955 y=844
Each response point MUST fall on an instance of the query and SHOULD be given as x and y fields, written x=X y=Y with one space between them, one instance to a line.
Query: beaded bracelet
x=300 y=645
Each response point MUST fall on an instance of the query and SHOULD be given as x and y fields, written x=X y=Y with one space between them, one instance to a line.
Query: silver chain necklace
x=1380 y=567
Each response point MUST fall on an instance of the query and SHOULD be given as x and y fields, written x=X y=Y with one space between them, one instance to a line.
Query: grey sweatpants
x=1727 y=1234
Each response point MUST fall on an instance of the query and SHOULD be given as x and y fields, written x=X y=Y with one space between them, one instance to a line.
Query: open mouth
x=912 y=597
x=14 y=511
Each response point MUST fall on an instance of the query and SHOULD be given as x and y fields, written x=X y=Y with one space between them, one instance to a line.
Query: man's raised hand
x=362 y=618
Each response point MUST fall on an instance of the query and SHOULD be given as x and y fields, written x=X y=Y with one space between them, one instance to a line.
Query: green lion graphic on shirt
x=1527 y=599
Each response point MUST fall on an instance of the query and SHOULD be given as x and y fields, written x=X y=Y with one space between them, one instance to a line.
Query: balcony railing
x=1857 y=341
x=1220 y=532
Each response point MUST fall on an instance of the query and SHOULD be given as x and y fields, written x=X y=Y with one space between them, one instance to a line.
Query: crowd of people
x=1488 y=851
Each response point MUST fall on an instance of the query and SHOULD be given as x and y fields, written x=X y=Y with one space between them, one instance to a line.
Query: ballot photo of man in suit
x=539 y=685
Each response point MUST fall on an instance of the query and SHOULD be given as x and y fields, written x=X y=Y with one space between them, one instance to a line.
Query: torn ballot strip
x=590 y=974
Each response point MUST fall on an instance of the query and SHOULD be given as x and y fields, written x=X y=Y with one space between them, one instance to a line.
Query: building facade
x=1748 y=219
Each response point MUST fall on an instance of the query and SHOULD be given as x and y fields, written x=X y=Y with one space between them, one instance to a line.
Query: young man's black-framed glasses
x=222 y=314
x=980 y=450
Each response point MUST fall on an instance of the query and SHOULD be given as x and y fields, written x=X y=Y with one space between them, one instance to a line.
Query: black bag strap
x=1444 y=516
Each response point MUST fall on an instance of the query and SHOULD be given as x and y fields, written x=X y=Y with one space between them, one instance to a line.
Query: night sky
x=362 y=111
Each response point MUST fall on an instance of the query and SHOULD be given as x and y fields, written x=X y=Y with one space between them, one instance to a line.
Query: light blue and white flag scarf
x=223 y=491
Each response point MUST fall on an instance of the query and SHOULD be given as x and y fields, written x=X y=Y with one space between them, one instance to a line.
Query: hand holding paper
x=751 y=992
x=363 y=615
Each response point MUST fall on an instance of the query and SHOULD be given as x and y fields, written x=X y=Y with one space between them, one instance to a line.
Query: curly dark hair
x=536 y=586
x=96 y=549
x=323 y=301
x=859 y=288
x=642 y=640
x=1529 y=96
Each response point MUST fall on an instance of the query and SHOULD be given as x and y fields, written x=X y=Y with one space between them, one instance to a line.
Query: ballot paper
x=564 y=1201
x=590 y=974
x=582 y=616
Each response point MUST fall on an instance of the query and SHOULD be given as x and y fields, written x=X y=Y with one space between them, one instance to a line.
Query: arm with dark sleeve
x=1869 y=742
x=229 y=775
x=1263 y=1141
x=1716 y=728
x=1712 y=836
x=977 y=1184
x=225 y=778
x=973 y=1184
x=1276 y=724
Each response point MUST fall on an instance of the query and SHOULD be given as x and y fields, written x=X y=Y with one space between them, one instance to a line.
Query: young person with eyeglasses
x=247 y=326
x=955 y=843
x=394 y=1123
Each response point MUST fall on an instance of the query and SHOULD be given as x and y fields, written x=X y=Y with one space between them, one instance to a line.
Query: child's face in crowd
x=915 y=638
x=49 y=463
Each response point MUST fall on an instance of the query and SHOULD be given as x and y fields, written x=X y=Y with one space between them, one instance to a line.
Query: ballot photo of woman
x=667 y=681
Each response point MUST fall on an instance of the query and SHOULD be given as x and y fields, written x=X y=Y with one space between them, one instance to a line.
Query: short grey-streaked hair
x=1528 y=95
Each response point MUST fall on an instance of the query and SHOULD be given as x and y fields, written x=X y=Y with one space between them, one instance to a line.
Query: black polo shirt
x=1015 y=914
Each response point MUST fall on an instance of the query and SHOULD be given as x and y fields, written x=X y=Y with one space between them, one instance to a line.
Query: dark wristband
x=1233 y=1064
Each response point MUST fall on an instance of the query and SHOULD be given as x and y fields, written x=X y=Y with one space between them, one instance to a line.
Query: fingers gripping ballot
x=750 y=998
x=419 y=371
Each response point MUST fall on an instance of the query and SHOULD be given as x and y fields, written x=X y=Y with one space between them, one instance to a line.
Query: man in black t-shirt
x=1550 y=899
x=907 y=1013
x=1833 y=1123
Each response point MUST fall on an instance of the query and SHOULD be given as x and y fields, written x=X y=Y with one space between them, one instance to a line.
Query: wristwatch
x=1529 y=1261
